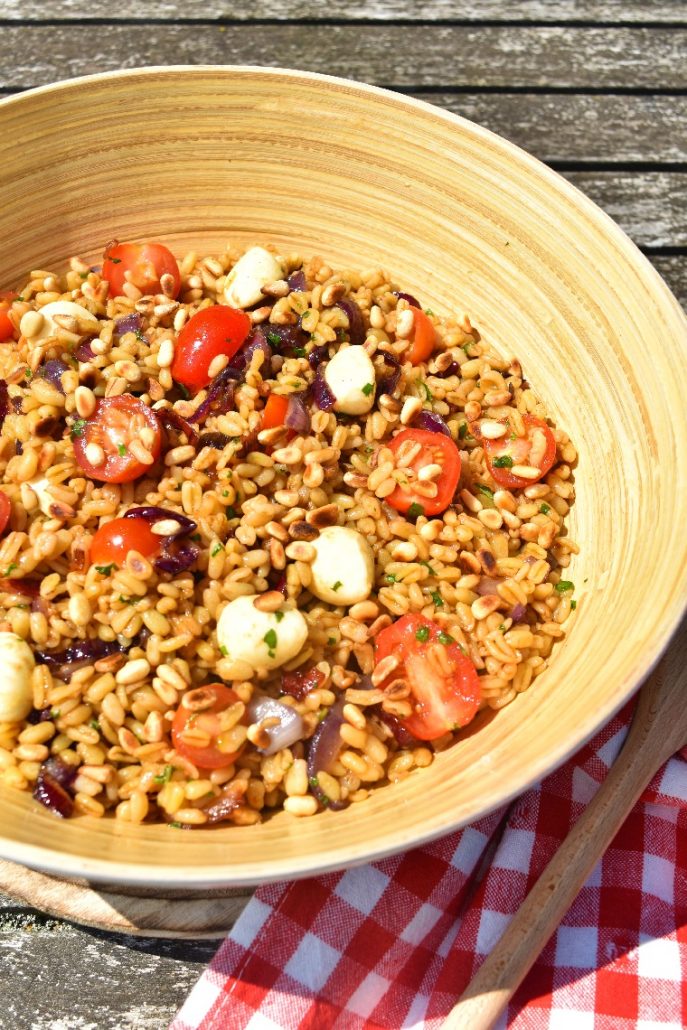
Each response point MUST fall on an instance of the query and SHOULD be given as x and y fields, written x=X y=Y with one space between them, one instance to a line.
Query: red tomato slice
x=113 y=541
x=212 y=331
x=146 y=263
x=445 y=688
x=207 y=724
x=7 y=330
x=424 y=337
x=117 y=423
x=275 y=411
x=537 y=450
x=435 y=449
x=5 y=511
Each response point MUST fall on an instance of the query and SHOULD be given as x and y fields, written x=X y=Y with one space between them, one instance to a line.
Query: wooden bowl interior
x=198 y=157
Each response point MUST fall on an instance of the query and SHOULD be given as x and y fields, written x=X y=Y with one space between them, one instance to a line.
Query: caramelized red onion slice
x=518 y=613
x=487 y=585
x=322 y=395
x=52 y=788
x=177 y=552
x=297 y=416
x=220 y=396
x=324 y=748
x=84 y=352
x=432 y=422
x=389 y=382
x=26 y=587
x=403 y=736
x=407 y=297
x=217 y=440
x=170 y=419
x=4 y=401
x=317 y=355
x=289 y=729
x=356 y=325
x=83 y=652
x=128 y=324
x=299 y=683
x=296 y=282
x=52 y=372
x=452 y=370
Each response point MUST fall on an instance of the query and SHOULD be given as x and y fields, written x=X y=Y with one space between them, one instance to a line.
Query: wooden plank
x=440 y=56
x=54 y=974
x=573 y=127
x=650 y=206
x=636 y=11
x=673 y=268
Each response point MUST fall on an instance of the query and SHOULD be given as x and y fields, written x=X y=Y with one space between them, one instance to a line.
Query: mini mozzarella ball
x=62 y=307
x=249 y=276
x=265 y=640
x=16 y=665
x=343 y=571
x=350 y=375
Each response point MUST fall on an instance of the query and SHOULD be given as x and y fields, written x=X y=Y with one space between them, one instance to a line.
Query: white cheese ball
x=16 y=665
x=343 y=571
x=249 y=276
x=350 y=375
x=242 y=629
x=62 y=307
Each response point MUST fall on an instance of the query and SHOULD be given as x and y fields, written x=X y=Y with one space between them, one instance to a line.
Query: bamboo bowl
x=198 y=156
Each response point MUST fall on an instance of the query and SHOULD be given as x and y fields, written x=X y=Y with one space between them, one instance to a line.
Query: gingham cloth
x=391 y=945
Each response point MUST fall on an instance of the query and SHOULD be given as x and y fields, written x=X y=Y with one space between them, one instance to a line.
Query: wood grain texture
x=389 y=55
x=633 y=11
x=541 y=271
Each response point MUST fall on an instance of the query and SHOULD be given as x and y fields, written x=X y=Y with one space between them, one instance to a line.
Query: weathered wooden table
x=595 y=88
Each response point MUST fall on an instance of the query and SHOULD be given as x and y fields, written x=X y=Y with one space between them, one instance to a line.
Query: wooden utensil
x=658 y=730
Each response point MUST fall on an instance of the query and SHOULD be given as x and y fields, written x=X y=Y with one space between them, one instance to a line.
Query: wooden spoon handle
x=655 y=735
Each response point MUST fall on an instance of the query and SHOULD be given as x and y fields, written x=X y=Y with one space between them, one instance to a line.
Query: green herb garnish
x=10 y=568
x=368 y=388
x=94 y=724
x=78 y=428
x=573 y=604
x=279 y=616
x=231 y=512
x=196 y=536
x=183 y=391
x=429 y=396
x=485 y=490
x=422 y=634
x=564 y=586
x=274 y=339
x=428 y=311
x=462 y=430
x=54 y=713
x=105 y=570
x=504 y=461
x=337 y=586
x=121 y=449
x=165 y=776
x=216 y=549
x=544 y=509
x=299 y=352
x=415 y=510
x=115 y=261
x=175 y=826
x=428 y=567
x=390 y=578
x=331 y=641
x=224 y=650
x=446 y=639
x=437 y=598
x=270 y=639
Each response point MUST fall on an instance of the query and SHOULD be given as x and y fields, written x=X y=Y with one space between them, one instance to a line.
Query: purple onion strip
x=128 y=324
x=84 y=352
x=52 y=371
x=432 y=422
x=322 y=395
x=296 y=282
x=220 y=396
x=4 y=401
x=297 y=416
x=356 y=326
x=170 y=419
x=54 y=781
x=407 y=297
x=177 y=553
x=289 y=729
x=324 y=748
x=389 y=383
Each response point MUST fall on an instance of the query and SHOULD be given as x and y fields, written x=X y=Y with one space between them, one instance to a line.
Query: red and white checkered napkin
x=392 y=944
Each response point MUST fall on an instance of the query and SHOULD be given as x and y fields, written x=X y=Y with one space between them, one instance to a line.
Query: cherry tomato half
x=7 y=330
x=275 y=411
x=146 y=263
x=212 y=331
x=113 y=541
x=197 y=735
x=5 y=511
x=537 y=449
x=117 y=423
x=445 y=688
x=435 y=449
x=424 y=337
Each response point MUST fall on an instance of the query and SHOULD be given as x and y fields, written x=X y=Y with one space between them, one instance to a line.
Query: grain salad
x=272 y=534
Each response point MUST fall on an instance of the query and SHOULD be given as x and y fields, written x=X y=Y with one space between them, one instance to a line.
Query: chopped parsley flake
x=11 y=567
x=78 y=428
x=165 y=776
x=274 y=339
x=462 y=430
x=121 y=449
x=462 y=649
x=216 y=549
x=115 y=261
x=54 y=713
x=502 y=628
x=299 y=352
x=485 y=490
x=446 y=639
x=270 y=639
x=422 y=634
x=140 y=335
x=573 y=604
x=28 y=374
x=390 y=578
x=429 y=396
x=224 y=650
x=175 y=826
x=337 y=585
x=428 y=567
x=183 y=391
x=196 y=536
x=437 y=598
x=368 y=388
x=564 y=586
x=331 y=641
x=504 y=461
x=544 y=509
x=231 y=512
x=313 y=781
x=279 y=616
x=428 y=311
x=105 y=570
x=415 y=510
